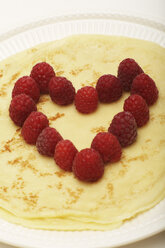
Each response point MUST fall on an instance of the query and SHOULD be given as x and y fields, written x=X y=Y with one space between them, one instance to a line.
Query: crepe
x=34 y=191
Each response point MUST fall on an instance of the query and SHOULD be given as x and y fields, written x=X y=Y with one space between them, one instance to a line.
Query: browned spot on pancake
x=45 y=174
x=110 y=189
x=23 y=164
x=97 y=74
x=59 y=73
x=59 y=186
x=4 y=197
x=74 y=195
x=123 y=161
x=43 y=99
x=50 y=186
x=57 y=67
x=92 y=84
x=14 y=77
x=162 y=118
x=31 y=199
x=60 y=173
x=31 y=156
x=19 y=178
x=57 y=116
x=1 y=73
x=98 y=129
x=122 y=172
x=3 y=193
x=7 y=148
x=3 y=90
x=141 y=157
x=83 y=85
x=4 y=188
x=76 y=71
x=152 y=117
x=148 y=140
x=19 y=184
x=15 y=161
x=15 y=142
x=162 y=142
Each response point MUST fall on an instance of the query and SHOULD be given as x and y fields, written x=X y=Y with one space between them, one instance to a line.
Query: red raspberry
x=47 y=141
x=138 y=108
x=128 y=69
x=88 y=165
x=109 y=88
x=124 y=127
x=28 y=86
x=86 y=99
x=108 y=146
x=144 y=85
x=64 y=154
x=33 y=126
x=61 y=90
x=42 y=73
x=20 y=108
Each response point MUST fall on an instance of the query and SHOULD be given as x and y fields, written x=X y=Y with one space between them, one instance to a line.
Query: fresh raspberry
x=47 y=141
x=124 y=127
x=64 y=154
x=28 y=86
x=86 y=99
x=20 y=108
x=138 y=108
x=88 y=165
x=61 y=91
x=109 y=88
x=128 y=69
x=108 y=146
x=144 y=85
x=33 y=126
x=42 y=73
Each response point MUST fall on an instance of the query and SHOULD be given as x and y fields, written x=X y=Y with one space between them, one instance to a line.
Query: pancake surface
x=34 y=192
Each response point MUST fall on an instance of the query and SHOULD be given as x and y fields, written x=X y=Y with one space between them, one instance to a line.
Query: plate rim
x=148 y=21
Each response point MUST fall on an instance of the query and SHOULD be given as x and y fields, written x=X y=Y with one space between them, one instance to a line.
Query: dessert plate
x=144 y=225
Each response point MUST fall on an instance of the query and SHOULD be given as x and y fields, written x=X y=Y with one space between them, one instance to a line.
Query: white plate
x=145 y=225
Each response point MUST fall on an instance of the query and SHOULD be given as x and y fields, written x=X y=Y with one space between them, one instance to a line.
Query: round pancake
x=34 y=191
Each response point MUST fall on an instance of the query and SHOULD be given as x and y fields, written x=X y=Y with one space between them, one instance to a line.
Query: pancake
x=34 y=191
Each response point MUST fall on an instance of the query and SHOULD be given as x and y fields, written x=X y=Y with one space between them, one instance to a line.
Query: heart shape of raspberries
x=106 y=147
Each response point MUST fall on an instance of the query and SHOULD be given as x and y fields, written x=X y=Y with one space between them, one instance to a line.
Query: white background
x=14 y=13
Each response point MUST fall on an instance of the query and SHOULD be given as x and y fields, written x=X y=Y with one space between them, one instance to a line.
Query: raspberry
x=20 y=108
x=124 y=127
x=138 y=108
x=64 y=154
x=86 y=99
x=33 y=126
x=47 y=141
x=144 y=85
x=28 y=86
x=88 y=165
x=128 y=69
x=42 y=73
x=61 y=90
x=108 y=146
x=109 y=88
